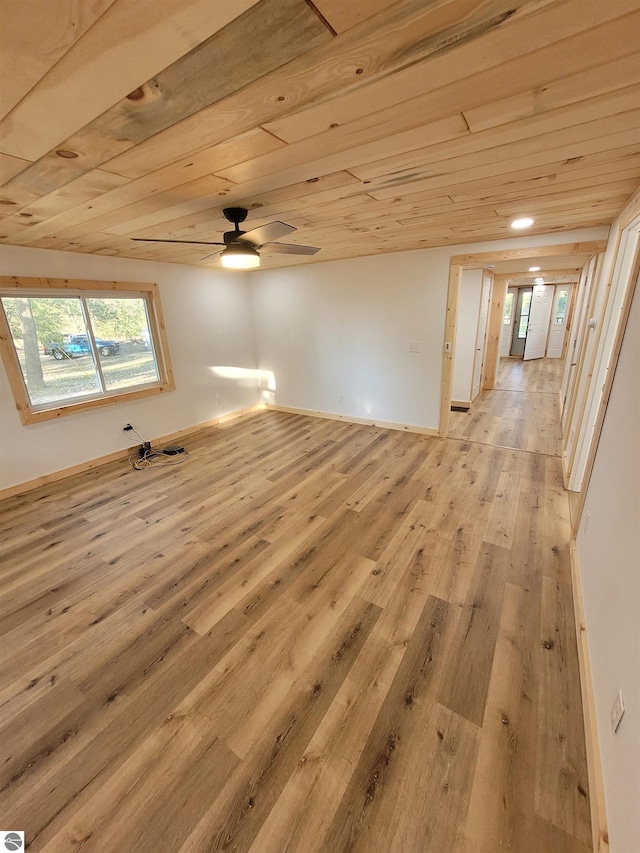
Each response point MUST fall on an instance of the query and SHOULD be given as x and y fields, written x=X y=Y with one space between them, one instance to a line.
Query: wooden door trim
x=606 y=392
x=451 y=321
x=494 y=331
x=583 y=336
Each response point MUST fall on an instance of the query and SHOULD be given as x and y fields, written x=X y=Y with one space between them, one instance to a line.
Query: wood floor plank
x=561 y=795
x=467 y=683
x=236 y=816
x=507 y=751
x=389 y=738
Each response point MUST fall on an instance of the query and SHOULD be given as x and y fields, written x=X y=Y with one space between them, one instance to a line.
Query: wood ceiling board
x=282 y=91
x=200 y=188
x=35 y=38
x=406 y=33
x=546 y=265
x=234 y=149
x=342 y=148
x=563 y=159
x=9 y=167
x=129 y=44
x=547 y=125
x=247 y=145
x=588 y=201
x=312 y=188
x=195 y=223
x=444 y=204
x=342 y=16
x=629 y=177
x=601 y=80
x=85 y=188
x=549 y=26
x=392 y=179
x=219 y=66
x=568 y=274
x=200 y=196
x=548 y=178
x=532 y=253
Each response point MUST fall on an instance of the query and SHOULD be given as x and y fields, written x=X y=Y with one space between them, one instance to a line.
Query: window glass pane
x=121 y=331
x=49 y=336
x=508 y=308
x=561 y=306
x=524 y=316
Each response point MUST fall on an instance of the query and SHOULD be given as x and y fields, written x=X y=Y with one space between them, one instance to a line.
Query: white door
x=559 y=314
x=541 y=303
x=481 y=337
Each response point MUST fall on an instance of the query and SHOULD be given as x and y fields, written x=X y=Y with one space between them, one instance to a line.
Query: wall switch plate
x=340 y=398
x=617 y=712
x=414 y=346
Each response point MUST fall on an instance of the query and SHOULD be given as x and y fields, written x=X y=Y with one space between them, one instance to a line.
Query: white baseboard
x=353 y=420
x=599 y=828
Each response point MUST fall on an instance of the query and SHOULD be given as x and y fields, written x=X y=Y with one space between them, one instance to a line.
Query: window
x=524 y=316
x=81 y=344
x=508 y=308
x=561 y=306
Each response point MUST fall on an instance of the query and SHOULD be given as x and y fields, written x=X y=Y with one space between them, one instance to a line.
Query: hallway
x=521 y=412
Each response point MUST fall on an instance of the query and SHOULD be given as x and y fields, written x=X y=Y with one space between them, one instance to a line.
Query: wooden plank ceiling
x=370 y=126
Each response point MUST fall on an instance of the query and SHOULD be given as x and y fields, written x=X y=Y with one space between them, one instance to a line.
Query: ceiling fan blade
x=189 y=242
x=290 y=249
x=212 y=255
x=267 y=233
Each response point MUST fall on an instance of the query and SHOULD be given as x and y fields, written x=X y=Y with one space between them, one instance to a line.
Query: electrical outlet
x=340 y=398
x=617 y=712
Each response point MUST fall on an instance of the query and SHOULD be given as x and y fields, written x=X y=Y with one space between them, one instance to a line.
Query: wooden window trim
x=12 y=366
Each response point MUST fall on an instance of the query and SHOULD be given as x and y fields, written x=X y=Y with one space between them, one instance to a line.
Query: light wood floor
x=522 y=410
x=313 y=636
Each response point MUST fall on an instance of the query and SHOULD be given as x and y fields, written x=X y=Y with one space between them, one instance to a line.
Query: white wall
x=344 y=328
x=208 y=319
x=609 y=556
x=466 y=329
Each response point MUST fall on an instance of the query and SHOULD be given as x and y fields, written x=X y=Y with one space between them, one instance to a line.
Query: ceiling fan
x=241 y=248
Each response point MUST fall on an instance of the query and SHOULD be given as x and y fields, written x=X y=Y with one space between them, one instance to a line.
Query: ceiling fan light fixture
x=240 y=256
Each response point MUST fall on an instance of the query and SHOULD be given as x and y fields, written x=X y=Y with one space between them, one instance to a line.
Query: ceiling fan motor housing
x=235 y=215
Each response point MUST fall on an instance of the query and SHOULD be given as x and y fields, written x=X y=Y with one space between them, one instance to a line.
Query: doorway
x=504 y=265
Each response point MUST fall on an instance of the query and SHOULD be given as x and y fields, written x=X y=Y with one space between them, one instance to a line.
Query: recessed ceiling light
x=534 y=269
x=524 y=222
